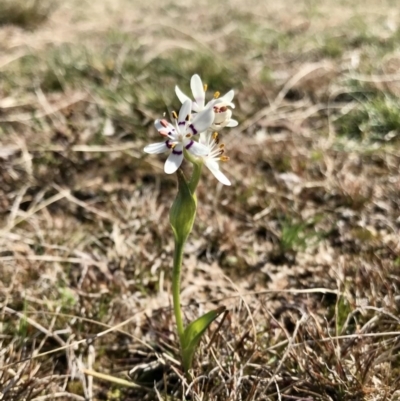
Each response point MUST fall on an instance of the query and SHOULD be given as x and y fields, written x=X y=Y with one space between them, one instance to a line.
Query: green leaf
x=192 y=335
x=183 y=210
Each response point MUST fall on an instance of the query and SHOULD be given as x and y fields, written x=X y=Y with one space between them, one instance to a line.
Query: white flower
x=215 y=155
x=222 y=113
x=219 y=104
x=180 y=136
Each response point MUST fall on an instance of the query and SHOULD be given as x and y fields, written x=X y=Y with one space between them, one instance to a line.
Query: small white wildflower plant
x=193 y=136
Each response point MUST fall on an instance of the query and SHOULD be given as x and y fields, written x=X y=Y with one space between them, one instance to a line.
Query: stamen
x=215 y=136
x=216 y=95
x=188 y=135
x=175 y=115
x=222 y=146
x=205 y=86
x=187 y=117
x=224 y=158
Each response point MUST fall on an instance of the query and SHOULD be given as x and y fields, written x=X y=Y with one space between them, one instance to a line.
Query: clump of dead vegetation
x=303 y=249
x=26 y=14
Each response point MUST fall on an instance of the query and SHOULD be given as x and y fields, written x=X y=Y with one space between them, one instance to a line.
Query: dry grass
x=26 y=14
x=303 y=249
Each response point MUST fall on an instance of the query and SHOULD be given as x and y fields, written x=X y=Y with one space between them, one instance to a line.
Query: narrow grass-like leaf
x=192 y=335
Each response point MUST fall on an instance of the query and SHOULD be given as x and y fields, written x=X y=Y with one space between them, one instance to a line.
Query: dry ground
x=303 y=249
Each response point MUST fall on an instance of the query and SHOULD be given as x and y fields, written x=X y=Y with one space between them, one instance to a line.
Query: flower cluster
x=195 y=130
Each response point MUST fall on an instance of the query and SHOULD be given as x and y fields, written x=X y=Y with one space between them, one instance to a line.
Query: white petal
x=167 y=127
x=198 y=149
x=181 y=96
x=196 y=107
x=184 y=112
x=198 y=91
x=202 y=121
x=205 y=137
x=154 y=148
x=173 y=162
x=210 y=103
x=158 y=125
x=223 y=118
x=227 y=98
x=232 y=123
x=218 y=174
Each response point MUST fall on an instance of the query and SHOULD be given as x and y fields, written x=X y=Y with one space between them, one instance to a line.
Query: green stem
x=176 y=287
x=182 y=216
